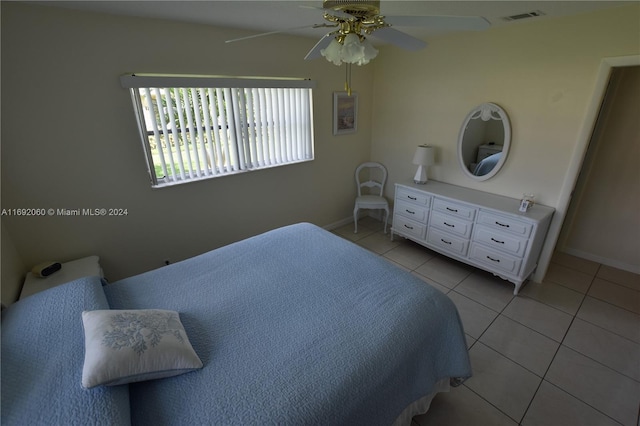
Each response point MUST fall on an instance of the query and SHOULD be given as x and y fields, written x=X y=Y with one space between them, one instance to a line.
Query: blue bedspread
x=42 y=357
x=294 y=327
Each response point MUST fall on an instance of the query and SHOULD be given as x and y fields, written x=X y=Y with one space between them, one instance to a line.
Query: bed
x=486 y=165
x=295 y=326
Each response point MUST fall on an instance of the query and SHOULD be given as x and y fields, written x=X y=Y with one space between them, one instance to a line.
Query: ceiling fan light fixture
x=370 y=52
x=332 y=52
x=350 y=49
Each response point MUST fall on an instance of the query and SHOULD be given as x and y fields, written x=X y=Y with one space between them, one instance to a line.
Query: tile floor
x=564 y=352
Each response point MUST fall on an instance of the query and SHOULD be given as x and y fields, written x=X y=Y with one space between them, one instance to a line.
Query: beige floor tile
x=487 y=289
x=616 y=294
x=373 y=224
x=568 y=277
x=378 y=243
x=444 y=271
x=397 y=264
x=528 y=348
x=610 y=317
x=607 y=391
x=501 y=381
x=346 y=232
x=553 y=406
x=612 y=350
x=576 y=263
x=475 y=317
x=432 y=283
x=618 y=276
x=470 y=341
x=409 y=254
x=542 y=318
x=555 y=295
x=462 y=406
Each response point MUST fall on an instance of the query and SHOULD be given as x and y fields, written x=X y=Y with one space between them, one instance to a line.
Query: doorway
x=605 y=70
x=603 y=221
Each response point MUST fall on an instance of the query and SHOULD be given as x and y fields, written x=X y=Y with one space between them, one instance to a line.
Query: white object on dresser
x=70 y=271
x=478 y=228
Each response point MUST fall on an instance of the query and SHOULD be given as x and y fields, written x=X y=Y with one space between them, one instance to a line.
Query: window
x=195 y=128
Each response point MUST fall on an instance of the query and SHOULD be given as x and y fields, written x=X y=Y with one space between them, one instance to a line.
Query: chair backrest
x=375 y=170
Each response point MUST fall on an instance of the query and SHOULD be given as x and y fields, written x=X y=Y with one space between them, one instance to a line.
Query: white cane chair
x=372 y=198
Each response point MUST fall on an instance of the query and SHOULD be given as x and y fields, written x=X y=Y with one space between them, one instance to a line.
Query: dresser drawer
x=495 y=260
x=512 y=244
x=451 y=224
x=504 y=223
x=409 y=227
x=459 y=210
x=403 y=194
x=412 y=211
x=447 y=241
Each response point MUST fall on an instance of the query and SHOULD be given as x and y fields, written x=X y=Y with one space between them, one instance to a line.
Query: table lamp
x=423 y=158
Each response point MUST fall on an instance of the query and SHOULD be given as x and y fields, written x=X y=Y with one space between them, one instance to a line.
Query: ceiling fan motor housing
x=358 y=8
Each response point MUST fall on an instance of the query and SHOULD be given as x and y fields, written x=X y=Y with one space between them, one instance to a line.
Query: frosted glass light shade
x=332 y=52
x=350 y=51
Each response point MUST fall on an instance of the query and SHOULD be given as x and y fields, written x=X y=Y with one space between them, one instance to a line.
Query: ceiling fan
x=355 y=20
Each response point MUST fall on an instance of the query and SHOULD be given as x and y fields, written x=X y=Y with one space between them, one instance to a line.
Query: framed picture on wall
x=345 y=113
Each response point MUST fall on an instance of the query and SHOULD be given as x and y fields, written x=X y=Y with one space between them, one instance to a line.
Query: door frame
x=577 y=160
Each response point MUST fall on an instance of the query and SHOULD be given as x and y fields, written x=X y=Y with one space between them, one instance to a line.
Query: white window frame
x=261 y=123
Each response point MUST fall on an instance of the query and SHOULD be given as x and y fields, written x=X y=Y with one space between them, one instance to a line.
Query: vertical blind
x=201 y=127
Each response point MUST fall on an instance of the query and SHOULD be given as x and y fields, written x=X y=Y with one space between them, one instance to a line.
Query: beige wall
x=12 y=268
x=603 y=223
x=542 y=73
x=69 y=140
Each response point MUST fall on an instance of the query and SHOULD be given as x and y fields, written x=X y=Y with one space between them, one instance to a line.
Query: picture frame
x=345 y=113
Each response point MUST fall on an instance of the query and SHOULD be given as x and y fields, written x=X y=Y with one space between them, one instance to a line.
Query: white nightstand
x=85 y=267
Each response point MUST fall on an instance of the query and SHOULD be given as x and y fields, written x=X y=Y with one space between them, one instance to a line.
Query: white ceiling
x=266 y=15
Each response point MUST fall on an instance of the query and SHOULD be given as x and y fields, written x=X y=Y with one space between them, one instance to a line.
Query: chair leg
x=386 y=219
x=355 y=220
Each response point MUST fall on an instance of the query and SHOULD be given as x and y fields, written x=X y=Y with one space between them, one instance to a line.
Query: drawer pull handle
x=502 y=224
x=444 y=241
x=449 y=225
x=408 y=227
x=409 y=211
x=412 y=198
x=452 y=210
x=496 y=241
x=492 y=259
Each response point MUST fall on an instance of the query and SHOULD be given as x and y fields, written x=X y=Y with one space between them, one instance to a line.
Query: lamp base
x=421 y=175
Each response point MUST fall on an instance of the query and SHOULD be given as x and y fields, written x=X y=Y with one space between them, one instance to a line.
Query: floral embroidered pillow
x=125 y=346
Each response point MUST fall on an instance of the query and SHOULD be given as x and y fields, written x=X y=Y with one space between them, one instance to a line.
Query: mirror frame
x=486 y=111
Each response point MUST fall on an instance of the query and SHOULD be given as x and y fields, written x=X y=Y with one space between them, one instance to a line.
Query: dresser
x=478 y=228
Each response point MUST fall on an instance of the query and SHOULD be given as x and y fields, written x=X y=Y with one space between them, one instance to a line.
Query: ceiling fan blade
x=321 y=44
x=398 y=38
x=280 y=31
x=440 y=22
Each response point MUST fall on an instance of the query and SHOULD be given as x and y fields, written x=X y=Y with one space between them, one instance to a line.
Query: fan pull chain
x=347 y=83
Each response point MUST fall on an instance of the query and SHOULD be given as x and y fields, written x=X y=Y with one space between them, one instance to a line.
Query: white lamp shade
x=424 y=156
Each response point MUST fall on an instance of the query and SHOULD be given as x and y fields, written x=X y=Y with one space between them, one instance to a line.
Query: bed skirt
x=422 y=405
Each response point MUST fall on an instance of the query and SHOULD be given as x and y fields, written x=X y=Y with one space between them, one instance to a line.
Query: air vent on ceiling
x=527 y=15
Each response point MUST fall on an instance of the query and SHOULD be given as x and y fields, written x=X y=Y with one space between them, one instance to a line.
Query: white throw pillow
x=125 y=346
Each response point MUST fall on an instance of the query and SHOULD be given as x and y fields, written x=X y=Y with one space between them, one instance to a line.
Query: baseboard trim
x=603 y=260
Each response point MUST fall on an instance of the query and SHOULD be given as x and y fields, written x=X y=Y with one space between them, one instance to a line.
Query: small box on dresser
x=481 y=229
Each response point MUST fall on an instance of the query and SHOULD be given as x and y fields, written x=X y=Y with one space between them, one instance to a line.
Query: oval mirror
x=483 y=142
